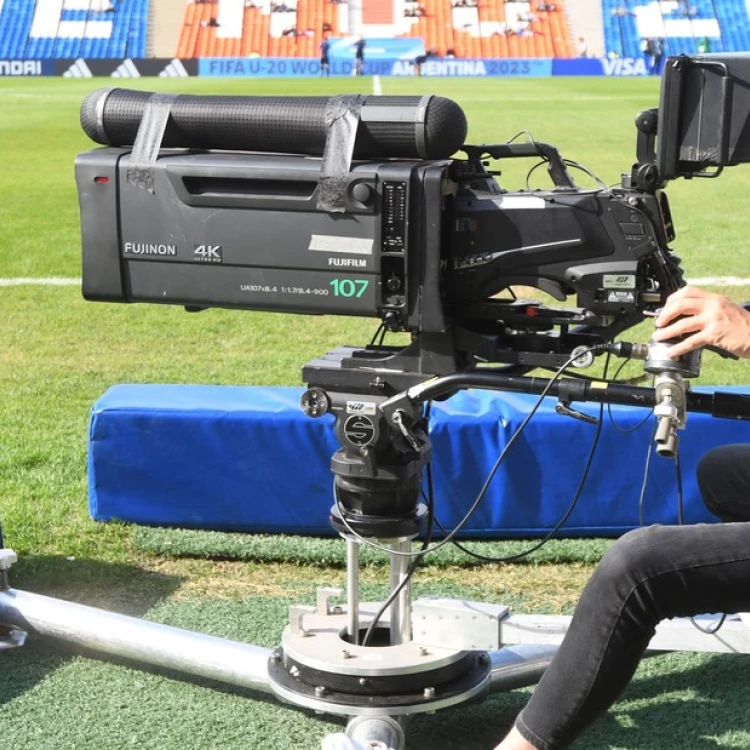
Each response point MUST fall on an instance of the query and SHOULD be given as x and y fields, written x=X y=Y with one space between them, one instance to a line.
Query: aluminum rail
x=235 y=663
x=519 y=666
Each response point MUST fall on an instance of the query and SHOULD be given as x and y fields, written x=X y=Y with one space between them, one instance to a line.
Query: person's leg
x=647 y=576
x=724 y=479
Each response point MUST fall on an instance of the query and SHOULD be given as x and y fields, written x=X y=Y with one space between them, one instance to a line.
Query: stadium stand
x=257 y=28
x=470 y=28
x=681 y=24
x=42 y=29
x=494 y=28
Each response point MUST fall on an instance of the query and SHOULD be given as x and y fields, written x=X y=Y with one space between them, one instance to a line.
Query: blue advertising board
x=282 y=67
x=27 y=68
x=343 y=65
x=595 y=66
x=489 y=68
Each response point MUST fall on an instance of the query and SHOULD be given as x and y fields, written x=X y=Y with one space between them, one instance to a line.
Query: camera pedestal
x=529 y=643
x=424 y=655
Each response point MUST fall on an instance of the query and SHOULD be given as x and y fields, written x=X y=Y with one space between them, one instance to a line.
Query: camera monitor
x=704 y=114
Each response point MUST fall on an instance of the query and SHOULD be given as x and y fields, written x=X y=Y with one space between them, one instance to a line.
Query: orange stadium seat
x=438 y=27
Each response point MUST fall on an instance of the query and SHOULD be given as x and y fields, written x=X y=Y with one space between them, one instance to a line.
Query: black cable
x=560 y=523
x=594 y=379
x=590 y=172
x=379 y=332
x=681 y=521
x=566 y=515
x=487 y=481
x=646 y=470
x=527 y=133
x=613 y=421
x=532 y=170
x=678 y=470
x=430 y=501
x=450 y=536
x=709 y=631
x=483 y=491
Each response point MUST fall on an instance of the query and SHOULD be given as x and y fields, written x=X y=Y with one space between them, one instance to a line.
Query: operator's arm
x=704 y=319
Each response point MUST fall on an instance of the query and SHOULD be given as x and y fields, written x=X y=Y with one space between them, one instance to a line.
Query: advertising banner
x=282 y=67
x=595 y=66
x=288 y=67
x=27 y=68
x=125 y=68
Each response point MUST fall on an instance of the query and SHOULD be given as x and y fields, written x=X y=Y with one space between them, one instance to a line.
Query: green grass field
x=58 y=354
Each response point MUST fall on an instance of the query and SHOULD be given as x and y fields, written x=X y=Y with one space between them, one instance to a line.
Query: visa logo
x=625 y=66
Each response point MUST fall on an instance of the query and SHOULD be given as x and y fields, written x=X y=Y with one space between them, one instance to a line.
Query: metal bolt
x=362 y=681
x=423 y=651
x=345 y=654
x=429 y=692
x=337 y=611
x=8 y=558
x=275 y=656
x=319 y=691
x=484 y=658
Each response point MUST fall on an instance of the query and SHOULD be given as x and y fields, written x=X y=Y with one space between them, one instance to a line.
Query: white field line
x=719 y=281
x=56 y=281
x=377 y=89
x=72 y=281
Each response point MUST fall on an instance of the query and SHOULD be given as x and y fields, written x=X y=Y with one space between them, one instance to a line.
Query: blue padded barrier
x=246 y=459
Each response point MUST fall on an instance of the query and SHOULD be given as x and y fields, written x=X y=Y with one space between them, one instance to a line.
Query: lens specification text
x=339 y=288
x=268 y=289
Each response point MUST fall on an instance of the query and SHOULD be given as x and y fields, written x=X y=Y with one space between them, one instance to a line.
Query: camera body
x=373 y=216
x=424 y=246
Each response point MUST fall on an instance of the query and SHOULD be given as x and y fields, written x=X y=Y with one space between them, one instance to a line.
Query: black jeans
x=648 y=575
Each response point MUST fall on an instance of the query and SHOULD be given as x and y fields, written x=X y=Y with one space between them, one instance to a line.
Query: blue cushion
x=247 y=459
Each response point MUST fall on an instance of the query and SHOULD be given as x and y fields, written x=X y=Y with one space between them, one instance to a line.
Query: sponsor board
x=624 y=66
x=27 y=68
x=125 y=68
x=595 y=66
x=284 y=67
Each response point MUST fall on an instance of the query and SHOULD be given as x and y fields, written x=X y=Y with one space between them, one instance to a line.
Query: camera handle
x=645 y=173
x=556 y=166
x=408 y=404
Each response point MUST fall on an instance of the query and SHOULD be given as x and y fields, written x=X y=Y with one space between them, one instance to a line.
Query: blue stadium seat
x=130 y=22
x=621 y=31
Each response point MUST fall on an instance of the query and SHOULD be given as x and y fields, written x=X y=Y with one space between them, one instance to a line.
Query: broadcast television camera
x=357 y=206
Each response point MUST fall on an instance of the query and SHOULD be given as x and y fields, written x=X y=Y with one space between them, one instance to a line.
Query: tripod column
x=401 y=607
x=352 y=589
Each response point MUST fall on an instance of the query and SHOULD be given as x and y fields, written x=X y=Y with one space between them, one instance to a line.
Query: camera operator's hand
x=703 y=319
